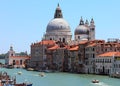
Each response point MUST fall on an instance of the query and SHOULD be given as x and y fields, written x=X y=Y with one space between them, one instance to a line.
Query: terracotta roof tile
x=47 y=42
x=20 y=57
x=83 y=42
x=92 y=45
x=75 y=48
x=54 y=47
x=109 y=54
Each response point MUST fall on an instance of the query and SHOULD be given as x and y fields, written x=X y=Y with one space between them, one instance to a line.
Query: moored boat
x=24 y=84
x=30 y=69
x=30 y=84
x=7 y=80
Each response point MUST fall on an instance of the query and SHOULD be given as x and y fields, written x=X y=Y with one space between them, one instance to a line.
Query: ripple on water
x=100 y=84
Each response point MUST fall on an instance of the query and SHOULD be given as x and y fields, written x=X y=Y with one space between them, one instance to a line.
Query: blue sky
x=23 y=22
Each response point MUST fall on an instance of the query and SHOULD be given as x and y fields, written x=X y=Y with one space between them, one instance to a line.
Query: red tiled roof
x=75 y=48
x=27 y=57
x=54 y=47
x=92 y=45
x=45 y=42
x=67 y=47
x=83 y=42
x=109 y=54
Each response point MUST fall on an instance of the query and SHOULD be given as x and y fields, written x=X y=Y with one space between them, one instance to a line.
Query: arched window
x=13 y=62
x=50 y=38
x=59 y=39
x=12 y=54
x=78 y=37
x=63 y=39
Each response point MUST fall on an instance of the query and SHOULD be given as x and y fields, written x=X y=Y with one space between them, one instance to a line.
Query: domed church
x=58 y=29
x=57 y=44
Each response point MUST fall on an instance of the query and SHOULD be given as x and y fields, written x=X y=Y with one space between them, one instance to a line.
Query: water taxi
x=30 y=69
x=19 y=73
x=95 y=81
x=42 y=74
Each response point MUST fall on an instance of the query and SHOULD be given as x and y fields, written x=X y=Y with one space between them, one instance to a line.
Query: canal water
x=61 y=79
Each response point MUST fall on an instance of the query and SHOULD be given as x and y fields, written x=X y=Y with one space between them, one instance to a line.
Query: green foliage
x=22 y=54
x=2 y=56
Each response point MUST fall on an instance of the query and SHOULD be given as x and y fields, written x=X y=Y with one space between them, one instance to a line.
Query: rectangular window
x=93 y=55
x=20 y=62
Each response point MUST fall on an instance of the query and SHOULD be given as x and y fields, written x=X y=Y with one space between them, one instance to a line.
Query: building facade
x=16 y=60
x=108 y=63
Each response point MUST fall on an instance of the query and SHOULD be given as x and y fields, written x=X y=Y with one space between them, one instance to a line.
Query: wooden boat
x=10 y=66
x=23 y=84
x=6 y=80
x=30 y=84
x=95 y=81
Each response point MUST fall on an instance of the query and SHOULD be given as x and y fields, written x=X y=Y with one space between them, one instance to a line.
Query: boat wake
x=35 y=75
x=100 y=84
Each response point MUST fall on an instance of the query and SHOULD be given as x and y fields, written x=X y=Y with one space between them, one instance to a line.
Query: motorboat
x=19 y=73
x=30 y=69
x=95 y=81
x=42 y=74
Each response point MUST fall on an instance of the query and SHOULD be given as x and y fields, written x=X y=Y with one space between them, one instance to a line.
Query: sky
x=23 y=22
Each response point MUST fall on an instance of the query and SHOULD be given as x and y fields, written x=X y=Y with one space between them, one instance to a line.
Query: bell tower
x=11 y=52
x=92 y=30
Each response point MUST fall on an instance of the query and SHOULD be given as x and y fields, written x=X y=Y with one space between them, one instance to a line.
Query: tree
x=2 y=56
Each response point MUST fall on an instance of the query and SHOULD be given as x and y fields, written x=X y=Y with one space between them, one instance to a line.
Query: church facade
x=14 y=60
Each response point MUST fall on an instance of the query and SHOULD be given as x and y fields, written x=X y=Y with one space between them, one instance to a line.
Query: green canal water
x=61 y=79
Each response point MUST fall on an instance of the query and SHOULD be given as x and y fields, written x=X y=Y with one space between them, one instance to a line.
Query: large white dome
x=58 y=24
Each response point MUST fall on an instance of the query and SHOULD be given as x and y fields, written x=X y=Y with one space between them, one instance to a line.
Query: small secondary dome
x=81 y=29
